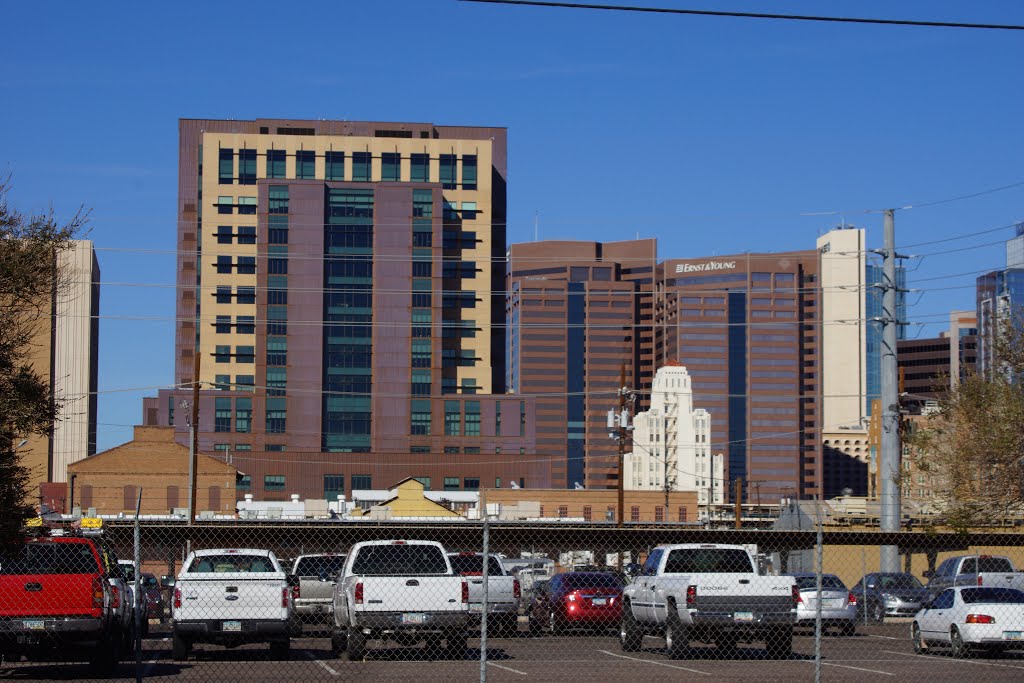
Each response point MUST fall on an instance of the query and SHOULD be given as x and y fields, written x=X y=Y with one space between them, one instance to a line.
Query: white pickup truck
x=503 y=592
x=708 y=593
x=995 y=571
x=230 y=597
x=404 y=591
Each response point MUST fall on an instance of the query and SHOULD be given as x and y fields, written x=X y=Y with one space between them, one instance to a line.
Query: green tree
x=29 y=280
x=974 y=444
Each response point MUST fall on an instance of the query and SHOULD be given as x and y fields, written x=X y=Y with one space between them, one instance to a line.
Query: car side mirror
x=632 y=570
x=167 y=581
x=872 y=586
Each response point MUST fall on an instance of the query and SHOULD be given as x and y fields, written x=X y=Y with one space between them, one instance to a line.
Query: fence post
x=484 y=597
x=139 y=598
x=818 y=570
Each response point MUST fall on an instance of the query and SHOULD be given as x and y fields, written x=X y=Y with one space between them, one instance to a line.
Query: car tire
x=630 y=634
x=677 y=640
x=554 y=625
x=877 y=615
x=917 y=640
x=280 y=650
x=338 y=642
x=958 y=647
x=780 y=643
x=355 y=645
x=179 y=647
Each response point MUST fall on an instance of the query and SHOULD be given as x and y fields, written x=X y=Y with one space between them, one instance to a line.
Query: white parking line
x=885 y=637
x=328 y=669
x=952 y=660
x=651 y=661
x=507 y=668
x=855 y=668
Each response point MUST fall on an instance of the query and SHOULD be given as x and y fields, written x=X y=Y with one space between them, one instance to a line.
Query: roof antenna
x=536 y=223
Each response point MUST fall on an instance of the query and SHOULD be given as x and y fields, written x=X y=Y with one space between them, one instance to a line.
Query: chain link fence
x=400 y=600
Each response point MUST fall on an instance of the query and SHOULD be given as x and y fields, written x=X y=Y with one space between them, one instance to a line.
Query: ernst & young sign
x=705 y=267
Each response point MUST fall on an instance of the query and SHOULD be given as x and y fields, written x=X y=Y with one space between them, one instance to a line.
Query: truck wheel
x=108 y=653
x=355 y=646
x=677 y=641
x=338 y=642
x=179 y=648
x=280 y=649
x=780 y=643
x=630 y=635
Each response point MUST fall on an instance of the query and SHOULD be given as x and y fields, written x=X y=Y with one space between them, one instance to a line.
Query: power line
x=756 y=15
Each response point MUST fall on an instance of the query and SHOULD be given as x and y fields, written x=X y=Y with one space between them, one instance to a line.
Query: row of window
x=334 y=484
x=354 y=166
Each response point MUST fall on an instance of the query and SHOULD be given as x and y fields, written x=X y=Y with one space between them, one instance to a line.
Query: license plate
x=34 y=624
x=834 y=602
x=413 y=619
x=742 y=616
x=231 y=626
x=599 y=601
x=1013 y=635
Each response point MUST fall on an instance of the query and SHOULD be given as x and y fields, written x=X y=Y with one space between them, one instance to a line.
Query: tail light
x=177 y=598
x=981 y=581
x=851 y=599
x=286 y=594
x=797 y=599
x=465 y=593
x=295 y=592
x=516 y=591
x=97 y=592
x=359 y=592
x=115 y=597
x=980 y=619
x=571 y=597
x=691 y=596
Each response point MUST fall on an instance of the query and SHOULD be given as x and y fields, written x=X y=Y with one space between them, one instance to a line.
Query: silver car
x=838 y=606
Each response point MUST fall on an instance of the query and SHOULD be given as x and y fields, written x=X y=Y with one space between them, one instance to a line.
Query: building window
x=223 y=264
x=421 y=353
x=222 y=354
x=452 y=418
x=246 y=167
x=245 y=354
x=334 y=486
x=425 y=481
x=682 y=513
x=361 y=166
x=240 y=447
x=277 y=199
x=222 y=382
x=226 y=167
x=471 y=483
x=472 y=418
x=390 y=166
x=273 y=482
x=469 y=172
x=471 y=450
x=222 y=416
x=335 y=165
x=563 y=511
x=419 y=417
x=277 y=350
x=245 y=295
x=224 y=234
x=223 y=295
x=522 y=418
x=634 y=513
x=277 y=379
x=223 y=324
x=246 y=234
x=588 y=513
x=305 y=164
x=420 y=168
x=247 y=205
x=225 y=205
x=243 y=415
x=451 y=450
x=362 y=482
x=244 y=482
x=421 y=382
x=246 y=265
x=448 y=171
x=276 y=416
x=245 y=324
x=659 y=514
x=275 y=448
x=275 y=163
x=497 y=418
x=245 y=383
x=419 y=450
x=451 y=483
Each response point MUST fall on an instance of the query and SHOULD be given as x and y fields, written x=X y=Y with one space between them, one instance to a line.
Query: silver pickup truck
x=231 y=597
x=316 y=575
x=503 y=594
x=403 y=591
x=994 y=571
x=708 y=593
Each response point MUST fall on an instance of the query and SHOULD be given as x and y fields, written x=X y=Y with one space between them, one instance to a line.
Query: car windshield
x=588 y=580
x=1002 y=596
x=898 y=581
x=472 y=563
x=51 y=558
x=400 y=560
x=827 y=583
x=226 y=564
x=320 y=565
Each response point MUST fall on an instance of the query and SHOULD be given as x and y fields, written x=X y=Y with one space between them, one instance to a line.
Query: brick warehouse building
x=348 y=305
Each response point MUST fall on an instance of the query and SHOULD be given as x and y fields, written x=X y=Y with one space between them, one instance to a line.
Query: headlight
x=888 y=598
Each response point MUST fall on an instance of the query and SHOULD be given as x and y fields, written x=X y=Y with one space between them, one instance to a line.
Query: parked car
x=894 y=594
x=232 y=596
x=709 y=593
x=577 y=600
x=503 y=593
x=974 y=570
x=963 y=618
x=838 y=605
x=317 y=575
x=154 y=597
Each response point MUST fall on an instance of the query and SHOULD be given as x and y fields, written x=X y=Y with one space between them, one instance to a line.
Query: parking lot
x=880 y=652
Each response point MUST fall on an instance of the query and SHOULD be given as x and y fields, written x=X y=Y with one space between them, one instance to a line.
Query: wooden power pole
x=739 y=502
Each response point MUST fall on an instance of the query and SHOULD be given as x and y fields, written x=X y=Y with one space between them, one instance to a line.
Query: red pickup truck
x=56 y=599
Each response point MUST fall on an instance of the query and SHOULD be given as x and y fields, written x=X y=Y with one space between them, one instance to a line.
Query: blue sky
x=714 y=135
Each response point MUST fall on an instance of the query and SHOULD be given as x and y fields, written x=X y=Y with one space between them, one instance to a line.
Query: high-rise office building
x=342 y=284
x=578 y=313
x=1000 y=301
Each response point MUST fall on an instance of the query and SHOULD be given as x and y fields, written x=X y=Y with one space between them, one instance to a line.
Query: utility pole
x=622 y=444
x=739 y=502
x=889 y=466
x=193 y=443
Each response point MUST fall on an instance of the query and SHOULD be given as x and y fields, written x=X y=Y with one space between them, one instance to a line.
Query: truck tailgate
x=409 y=593
x=242 y=595
x=499 y=591
x=45 y=595
x=732 y=594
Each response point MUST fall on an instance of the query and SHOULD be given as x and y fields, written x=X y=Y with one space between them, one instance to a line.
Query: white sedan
x=965 y=617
